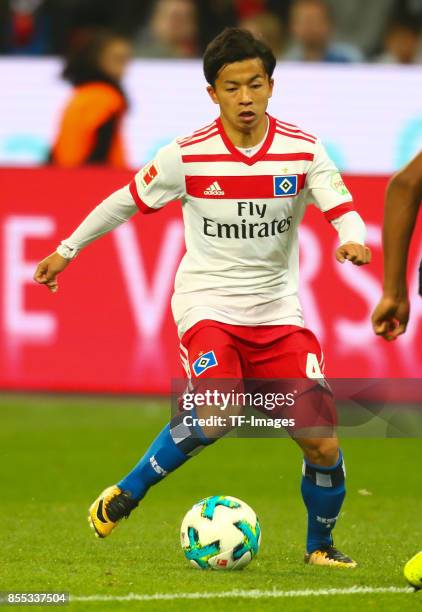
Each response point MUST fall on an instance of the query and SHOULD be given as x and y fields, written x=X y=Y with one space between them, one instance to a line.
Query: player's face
x=242 y=90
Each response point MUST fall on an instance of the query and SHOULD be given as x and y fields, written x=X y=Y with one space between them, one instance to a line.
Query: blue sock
x=323 y=492
x=173 y=446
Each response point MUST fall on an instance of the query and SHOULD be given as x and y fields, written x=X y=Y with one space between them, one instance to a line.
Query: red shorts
x=211 y=351
x=240 y=351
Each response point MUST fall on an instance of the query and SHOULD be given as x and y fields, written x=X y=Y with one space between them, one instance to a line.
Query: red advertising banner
x=110 y=328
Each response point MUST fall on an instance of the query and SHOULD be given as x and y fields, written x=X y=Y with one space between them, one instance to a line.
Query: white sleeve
x=112 y=212
x=326 y=188
x=350 y=228
x=161 y=181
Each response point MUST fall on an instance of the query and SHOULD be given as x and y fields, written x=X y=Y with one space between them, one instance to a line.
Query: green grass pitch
x=58 y=453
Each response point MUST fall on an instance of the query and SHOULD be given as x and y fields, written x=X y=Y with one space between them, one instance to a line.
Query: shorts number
x=313 y=369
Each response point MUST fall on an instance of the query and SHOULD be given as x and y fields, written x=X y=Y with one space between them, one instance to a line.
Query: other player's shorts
x=211 y=351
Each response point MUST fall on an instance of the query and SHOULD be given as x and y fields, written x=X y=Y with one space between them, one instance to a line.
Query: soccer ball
x=220 y=532
x=413 y=571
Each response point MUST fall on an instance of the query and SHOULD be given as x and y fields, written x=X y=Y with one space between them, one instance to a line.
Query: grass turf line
x=56 y=454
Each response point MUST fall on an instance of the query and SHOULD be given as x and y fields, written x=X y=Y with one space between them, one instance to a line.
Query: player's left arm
x=330 y=194
x=351 y=230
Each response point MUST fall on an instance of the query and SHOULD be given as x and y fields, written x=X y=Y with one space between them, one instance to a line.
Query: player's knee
x=323 y=451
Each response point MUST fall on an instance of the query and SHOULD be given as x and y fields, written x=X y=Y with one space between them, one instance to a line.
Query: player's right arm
x=114 y=210
x=158 y=183
x=403 y=198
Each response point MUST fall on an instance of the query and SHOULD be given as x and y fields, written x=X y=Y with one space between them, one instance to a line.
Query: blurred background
x=305 y=30
x=61 y=57
x=90 y=90
x=126 y=61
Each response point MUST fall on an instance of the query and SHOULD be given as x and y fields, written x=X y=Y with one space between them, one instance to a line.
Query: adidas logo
x=214 y=190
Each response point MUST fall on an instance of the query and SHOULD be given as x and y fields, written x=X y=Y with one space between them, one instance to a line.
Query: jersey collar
x=238 y=155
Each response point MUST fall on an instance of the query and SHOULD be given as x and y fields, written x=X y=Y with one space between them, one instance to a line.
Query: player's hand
x=47 y=271
x=358 y=254
x=390 y=317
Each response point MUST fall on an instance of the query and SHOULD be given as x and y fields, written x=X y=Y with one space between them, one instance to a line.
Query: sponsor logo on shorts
x=286 y=185
x=204 y=362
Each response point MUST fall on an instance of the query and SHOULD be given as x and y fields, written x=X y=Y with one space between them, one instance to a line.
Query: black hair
x=82 y=62
x=235 y=45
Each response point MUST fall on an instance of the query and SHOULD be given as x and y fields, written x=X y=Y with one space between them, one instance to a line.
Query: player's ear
x=212 y=94
x=271 y=84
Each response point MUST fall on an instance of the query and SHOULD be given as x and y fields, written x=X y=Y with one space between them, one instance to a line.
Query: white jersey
x=241 y=217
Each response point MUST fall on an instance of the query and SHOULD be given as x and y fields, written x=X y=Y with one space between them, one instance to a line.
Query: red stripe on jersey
x=278 y=131
x=144 y=208
x=239 y=156
x=204 y=128
x=235 y=187
x=226 y=157
x=194 y=142
x=289 y=157
x=208 y=157
x=292 y=125
x=200 y=132
x=294 y=129
x=284 y=128
x=339 y=211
